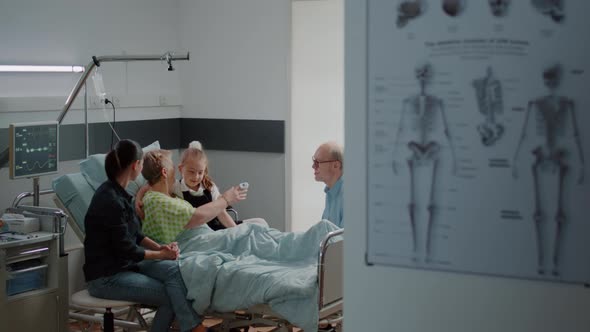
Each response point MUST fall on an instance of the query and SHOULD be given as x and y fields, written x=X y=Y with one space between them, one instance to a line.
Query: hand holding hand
x=168 y=253
x=173 y=246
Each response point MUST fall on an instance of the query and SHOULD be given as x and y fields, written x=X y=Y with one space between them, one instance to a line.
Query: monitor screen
x=33 y=149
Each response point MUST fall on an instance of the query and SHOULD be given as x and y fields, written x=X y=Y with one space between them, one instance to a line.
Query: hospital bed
x=73 y=193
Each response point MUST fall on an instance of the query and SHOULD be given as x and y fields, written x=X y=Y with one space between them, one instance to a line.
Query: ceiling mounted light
x=41 y=69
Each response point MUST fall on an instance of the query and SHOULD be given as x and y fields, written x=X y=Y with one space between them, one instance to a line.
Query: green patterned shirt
x=165 y=216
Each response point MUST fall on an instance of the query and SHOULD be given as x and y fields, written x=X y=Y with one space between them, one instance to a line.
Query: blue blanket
x=239 y=267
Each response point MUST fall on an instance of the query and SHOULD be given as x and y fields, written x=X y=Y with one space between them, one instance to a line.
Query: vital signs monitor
x=33 y=149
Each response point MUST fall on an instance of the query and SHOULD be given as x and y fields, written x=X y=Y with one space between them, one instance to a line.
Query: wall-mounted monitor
x=33 y=149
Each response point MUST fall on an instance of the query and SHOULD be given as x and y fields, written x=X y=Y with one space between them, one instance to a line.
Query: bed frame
x=330 y=299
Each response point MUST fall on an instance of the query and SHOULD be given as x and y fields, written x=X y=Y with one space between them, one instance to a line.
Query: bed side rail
x=79 y=232
x=23 y=195
x=330 y=270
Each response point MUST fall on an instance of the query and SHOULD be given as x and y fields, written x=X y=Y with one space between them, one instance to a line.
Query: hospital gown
x=165 y=216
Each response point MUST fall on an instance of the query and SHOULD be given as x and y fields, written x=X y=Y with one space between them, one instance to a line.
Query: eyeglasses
x=316 y=163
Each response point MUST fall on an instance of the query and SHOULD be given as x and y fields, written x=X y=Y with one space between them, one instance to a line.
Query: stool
x=85 y=300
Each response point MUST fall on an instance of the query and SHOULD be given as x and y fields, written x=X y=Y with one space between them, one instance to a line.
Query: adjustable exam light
x=167 y=57
x=40 y=69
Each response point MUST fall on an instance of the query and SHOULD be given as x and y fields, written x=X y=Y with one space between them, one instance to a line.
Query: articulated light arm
x=96 y=61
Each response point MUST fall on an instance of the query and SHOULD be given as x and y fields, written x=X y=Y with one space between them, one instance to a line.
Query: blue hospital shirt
x=333 y=209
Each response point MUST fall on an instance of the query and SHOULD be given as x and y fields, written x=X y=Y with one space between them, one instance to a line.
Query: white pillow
x=93 y=170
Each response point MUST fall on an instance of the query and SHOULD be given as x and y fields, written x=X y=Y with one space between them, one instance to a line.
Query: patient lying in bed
x=238 y=267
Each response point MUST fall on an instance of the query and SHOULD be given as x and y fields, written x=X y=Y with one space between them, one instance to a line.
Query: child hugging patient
x=195 y=187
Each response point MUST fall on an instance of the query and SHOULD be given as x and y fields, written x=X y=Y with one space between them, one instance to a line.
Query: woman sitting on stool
x=122 y=263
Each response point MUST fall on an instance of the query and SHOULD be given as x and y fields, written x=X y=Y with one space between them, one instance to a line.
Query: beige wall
x=317 y=99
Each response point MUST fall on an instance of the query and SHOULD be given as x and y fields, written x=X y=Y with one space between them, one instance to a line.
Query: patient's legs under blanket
x=242 y=267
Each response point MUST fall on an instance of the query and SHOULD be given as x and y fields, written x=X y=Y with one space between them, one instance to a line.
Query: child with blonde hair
x=197 y=187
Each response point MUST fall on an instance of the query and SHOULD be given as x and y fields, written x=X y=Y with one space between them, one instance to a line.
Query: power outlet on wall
x=163 y=100
x=116 y=101
x=98 y=103
x=94 y=102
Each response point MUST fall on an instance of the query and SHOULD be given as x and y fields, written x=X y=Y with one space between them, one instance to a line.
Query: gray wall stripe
x=215 y=134
x=235 y=135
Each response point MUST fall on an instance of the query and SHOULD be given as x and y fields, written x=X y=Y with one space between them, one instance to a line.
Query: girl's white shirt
x=180 y=187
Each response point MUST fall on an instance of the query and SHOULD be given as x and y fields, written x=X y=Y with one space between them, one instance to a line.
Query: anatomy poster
x=478 y=137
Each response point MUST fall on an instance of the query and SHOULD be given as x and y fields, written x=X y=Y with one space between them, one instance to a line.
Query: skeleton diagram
x=554 y=127
x=499 y=8
x=551 y=8
x=422 y=125
x=407 y=10
x=488 y=92
x=453 y=7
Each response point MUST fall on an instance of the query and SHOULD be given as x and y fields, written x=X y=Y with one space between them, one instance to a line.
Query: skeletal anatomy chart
x=408 y=10
x=550 y=120
x=551 y=8
x=488 y=91
x=421 y=118
x=476 y=137
x=453 y=7
x=499 y=8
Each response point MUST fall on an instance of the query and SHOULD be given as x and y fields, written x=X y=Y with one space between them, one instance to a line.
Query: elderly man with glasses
x=327 y=168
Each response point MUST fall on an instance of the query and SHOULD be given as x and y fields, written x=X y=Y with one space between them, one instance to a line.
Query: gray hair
x=336 y=152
